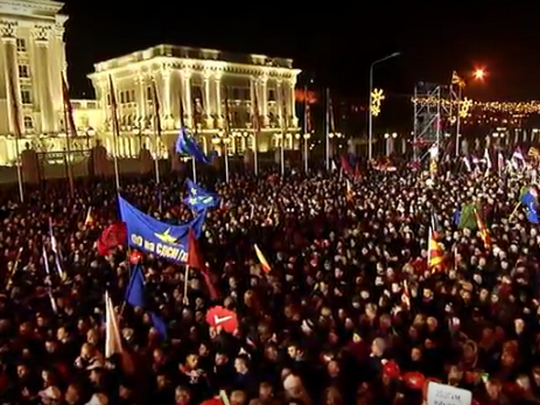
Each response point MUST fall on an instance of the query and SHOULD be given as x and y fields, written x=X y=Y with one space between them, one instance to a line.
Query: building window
x=236 y=93
x=21 y=45
x=272 y=95
x=108 y=98
x=26 y=97
x=149 y=93
x=247 y=93
x=28 y=123
x=132 y=96
x=24 y=72
x=122 y=99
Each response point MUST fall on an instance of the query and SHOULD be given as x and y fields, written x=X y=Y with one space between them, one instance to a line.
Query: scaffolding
x=435 y=111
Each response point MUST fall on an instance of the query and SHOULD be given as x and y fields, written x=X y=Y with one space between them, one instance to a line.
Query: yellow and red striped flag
x=264 y=263
x=484 y=233
x=435 y=255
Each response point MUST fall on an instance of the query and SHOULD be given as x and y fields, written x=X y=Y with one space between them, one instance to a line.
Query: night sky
x=336 y=45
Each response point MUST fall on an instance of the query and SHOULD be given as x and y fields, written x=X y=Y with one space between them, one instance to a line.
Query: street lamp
x=370 y=117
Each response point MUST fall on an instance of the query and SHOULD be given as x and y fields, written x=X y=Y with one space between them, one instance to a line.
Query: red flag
x=196 y=261
x=345 y=165
x=113 y=236
x=357 y=172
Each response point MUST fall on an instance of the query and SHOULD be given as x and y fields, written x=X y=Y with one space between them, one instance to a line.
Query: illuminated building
x=201 y=82
x=32 y=52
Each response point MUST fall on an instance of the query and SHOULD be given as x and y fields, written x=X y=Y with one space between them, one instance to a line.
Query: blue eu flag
x=199 y=199
x=528 y=199
x=135 y=290
x=159 y=325
x=161 y=239
x=186 y=145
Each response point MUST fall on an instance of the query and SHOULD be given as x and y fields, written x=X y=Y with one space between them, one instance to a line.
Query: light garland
x=377 y=96
x=514 y=108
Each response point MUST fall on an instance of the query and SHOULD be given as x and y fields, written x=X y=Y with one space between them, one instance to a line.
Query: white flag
x=113 y=342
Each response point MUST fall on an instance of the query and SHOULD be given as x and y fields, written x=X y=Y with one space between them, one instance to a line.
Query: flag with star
x=199 y=199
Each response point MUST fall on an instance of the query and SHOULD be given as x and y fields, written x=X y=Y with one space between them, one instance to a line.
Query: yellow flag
x=264 y=263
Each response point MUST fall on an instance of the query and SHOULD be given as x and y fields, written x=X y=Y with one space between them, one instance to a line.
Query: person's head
x=333 y=369
x=73 y=394
x=92 y=337
x=493 y=389
x=241 y=364
x=293 y=351
x=238 y=398
x=266 y=391
x=162 y=381
x=124 y=392
x=159 y=356
x=332 y=396
x=23 y=371
x=416 y=354
x=51 y=346
x=192 y=361
x=221 y=359
x=87 y=351
x=182 y=395
x=519 y=326
x=377 y=347
x=271 y=353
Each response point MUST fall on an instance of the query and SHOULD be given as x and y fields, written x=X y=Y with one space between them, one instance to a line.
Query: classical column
x=281 y=103
x=292 y=102
x=11 y=71
x=264 y=100
x=41 y=36
x=166 y=98
x=186 y=93
x=217 y=82
x=141 y=100
x=208 y=110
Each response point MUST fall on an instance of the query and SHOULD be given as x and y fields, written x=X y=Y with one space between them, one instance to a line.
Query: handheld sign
x=439 y=394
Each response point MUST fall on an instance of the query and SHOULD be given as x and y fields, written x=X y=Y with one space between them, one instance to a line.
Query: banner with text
x=149 y=235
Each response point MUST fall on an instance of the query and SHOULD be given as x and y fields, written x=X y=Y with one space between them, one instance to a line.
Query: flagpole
x=327 y=130
x=157 y=132
x=17 y=131
x=68 y=147
x=428 y=247
x=458 y=121
x=256 y=130
x=226 y=155
x=283 y=130
x=116 y=129
x=186 y=280
x=194 y=168
x=227 y=139
x=306 y=128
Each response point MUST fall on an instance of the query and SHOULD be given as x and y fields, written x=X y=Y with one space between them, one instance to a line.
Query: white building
x=32 y=50
x=200 y=81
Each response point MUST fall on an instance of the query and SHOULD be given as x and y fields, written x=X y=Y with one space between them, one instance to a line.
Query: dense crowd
x=349 y=314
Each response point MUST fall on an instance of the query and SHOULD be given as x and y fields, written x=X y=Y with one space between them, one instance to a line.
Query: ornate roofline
x=164 y=62
x=28 y=7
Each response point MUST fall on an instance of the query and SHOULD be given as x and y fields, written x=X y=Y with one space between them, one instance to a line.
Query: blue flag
x=159 y=325
x=135 y=290
x=149 y=235
x=456 y=218
x=530 y=202
x=186 y=145
x=199 y=199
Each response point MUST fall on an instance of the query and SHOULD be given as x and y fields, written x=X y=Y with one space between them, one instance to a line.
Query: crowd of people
x=350 y=312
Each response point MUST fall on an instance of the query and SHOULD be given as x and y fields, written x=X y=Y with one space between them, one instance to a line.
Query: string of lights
x=522 y=108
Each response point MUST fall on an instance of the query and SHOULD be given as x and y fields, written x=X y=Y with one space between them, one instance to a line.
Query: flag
x=135 y=290
x=467 y=163
x=89 y=220
x=161 y=239
x=113 y=342
x=529 y=198
x=349 y=193
x=484 y=233
x=457 y=80
x=435 y=225
x=435 y=254
x=196 y=261
x=199 y=199
x=467 y=218
x=488 y=160
x=186 y=145
x=114 y=108
x=14 y=105
x=264 y=263
x=159 y=325
x=56 y=251
x=456 y=217
x=346 y=166
x=157 y=109
x=114 y=235
x=71 y=129
x=357 y=172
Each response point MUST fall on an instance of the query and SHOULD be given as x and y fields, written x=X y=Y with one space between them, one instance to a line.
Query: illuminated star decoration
x=377 y=96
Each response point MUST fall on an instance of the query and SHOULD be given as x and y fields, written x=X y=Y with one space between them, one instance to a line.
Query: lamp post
x=370 y=116
x=306 y=141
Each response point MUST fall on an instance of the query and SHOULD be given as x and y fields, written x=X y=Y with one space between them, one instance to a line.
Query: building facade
x=32 y=53
x=199 y=87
